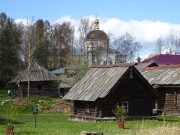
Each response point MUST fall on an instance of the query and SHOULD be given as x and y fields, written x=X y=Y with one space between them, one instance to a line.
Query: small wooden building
x=97 y=93
x=166 y=81
x=42 y=83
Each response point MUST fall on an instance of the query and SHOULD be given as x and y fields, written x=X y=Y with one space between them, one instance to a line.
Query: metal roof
x=96 y=34
x=163 y=75
x=164 y=59
x=97 y=82
x=58 y=71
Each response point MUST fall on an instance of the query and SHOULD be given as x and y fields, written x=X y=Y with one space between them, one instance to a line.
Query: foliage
x=10 y=39
x=120 y=112
x=127 y=45
x=11 y=114
x=167 y=45
x=23 y=104
x=73 y=75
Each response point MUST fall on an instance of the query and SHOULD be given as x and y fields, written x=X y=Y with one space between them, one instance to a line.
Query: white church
x=97 y=48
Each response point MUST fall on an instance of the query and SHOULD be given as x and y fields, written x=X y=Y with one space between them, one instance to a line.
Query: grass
x=59 y=124
x=4 y=94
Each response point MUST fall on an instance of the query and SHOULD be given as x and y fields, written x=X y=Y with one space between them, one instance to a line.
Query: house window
x=126 y=105
x=39 y=87
x=87 y=108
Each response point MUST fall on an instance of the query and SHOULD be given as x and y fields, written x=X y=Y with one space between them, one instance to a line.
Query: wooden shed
x=166 y=81
x=42 y=83
x=97 y=93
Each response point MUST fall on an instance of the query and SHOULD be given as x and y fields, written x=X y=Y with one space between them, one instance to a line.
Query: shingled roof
x=163 y=75
x=37 y=73
x=97 y=82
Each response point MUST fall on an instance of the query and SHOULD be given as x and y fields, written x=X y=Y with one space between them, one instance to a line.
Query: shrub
x=120 y=112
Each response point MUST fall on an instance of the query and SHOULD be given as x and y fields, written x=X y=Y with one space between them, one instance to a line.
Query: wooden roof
x=147 y=64
x=162 y=75
x=97 y=82
x=37 y=73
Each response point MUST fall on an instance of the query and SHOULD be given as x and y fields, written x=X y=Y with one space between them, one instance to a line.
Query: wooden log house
x=42 y=83
x=166 y=81
x=97 y=93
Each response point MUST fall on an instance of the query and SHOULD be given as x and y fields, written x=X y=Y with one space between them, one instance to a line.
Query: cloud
x=66 y=19
x=25 y=22
x=145 y=31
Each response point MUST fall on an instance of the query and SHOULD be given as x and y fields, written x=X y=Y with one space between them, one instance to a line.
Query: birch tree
x=127 y=45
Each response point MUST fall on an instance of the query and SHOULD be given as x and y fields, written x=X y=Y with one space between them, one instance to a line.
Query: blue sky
x=146 y=20
x=162 y=10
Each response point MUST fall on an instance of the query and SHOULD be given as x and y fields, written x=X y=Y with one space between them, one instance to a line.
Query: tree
x=30 y=45
x=177 y=46
x=127 y=46
x=42 y=54
x=85 y=26
x=62 y=44
x=159 y=45
x=169 y=44
x=10 y=39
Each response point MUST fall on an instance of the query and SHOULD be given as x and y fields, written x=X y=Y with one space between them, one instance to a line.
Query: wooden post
x=20 y=90
x=59 y=89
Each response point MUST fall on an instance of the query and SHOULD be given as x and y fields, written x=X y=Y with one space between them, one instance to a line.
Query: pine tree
x=9 y=43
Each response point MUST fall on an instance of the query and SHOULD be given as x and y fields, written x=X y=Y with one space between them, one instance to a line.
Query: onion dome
x=96 y=33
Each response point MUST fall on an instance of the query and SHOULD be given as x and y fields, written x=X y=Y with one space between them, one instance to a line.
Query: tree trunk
x=29 y=66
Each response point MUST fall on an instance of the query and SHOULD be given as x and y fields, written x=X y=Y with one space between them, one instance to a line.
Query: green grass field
x=59 y=124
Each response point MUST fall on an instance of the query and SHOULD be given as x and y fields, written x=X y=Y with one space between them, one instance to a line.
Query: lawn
x=59 y=124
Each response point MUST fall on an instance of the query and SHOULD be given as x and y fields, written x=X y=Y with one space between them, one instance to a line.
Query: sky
x=145 y=20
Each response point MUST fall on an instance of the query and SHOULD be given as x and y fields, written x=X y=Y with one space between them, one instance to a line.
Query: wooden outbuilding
x=97 y=93
x=166 y=81
x=42 y=83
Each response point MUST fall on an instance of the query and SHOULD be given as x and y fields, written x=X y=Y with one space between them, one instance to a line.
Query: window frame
x=87 y=108
x=125 y=106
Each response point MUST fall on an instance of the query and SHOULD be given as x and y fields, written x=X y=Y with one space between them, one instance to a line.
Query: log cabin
x=42 y=83
x=97 y=93
x=166 y=81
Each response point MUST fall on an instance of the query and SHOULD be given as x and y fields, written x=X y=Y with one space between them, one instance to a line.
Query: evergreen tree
x=42 y=52
x=10 y=38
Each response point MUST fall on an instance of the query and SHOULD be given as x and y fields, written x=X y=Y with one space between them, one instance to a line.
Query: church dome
x=96 y=34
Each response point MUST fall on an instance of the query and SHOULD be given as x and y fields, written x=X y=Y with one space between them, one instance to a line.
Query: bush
x=23 y=105
x=120 y=112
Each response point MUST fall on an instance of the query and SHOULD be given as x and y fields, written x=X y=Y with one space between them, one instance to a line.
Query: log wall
x=172 y=102
x=38 y=88
x=139 y=96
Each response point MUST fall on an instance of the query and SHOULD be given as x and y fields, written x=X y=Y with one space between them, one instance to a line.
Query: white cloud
x=25 y=22
x=145 y=31
x=66 y=19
